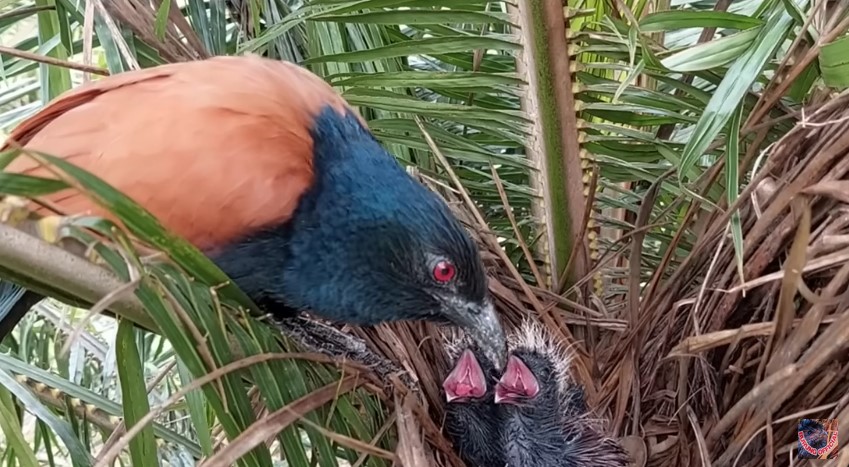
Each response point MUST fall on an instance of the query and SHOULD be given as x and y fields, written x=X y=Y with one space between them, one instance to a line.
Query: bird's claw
x=13 y=210
x=318 y=337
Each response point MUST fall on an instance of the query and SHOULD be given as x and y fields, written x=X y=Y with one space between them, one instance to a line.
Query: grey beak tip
x=500 y=361
x=496 y=344
x=485 y=328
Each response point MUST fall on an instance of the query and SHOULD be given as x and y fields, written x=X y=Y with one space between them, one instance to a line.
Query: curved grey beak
x=481 y=323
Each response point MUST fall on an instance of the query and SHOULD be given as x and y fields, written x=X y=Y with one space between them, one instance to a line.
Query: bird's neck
x=532 y=437
x=475 y=428
x=304 y=262
x=540 y=414
x=533 y=428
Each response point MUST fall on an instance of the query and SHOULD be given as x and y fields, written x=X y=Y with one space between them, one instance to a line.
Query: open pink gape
x=466 y=380
x=517 y=382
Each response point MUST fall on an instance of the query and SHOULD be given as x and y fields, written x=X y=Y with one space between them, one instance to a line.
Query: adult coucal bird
x=265 y=168
x=534 y=416
x=472 y=420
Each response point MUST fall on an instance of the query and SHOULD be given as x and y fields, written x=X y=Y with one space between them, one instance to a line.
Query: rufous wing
x=214 y=149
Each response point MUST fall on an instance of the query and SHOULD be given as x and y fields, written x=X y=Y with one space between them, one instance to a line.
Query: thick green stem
x=554 y=145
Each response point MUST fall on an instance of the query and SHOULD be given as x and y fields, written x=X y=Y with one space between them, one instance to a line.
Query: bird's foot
x=13 y=210
x=54 y=229
x=322 y=338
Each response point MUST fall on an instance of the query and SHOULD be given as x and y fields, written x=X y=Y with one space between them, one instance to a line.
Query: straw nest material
x=715 y=370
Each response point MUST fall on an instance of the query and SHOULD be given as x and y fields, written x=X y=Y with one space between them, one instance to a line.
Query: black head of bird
x=546 y=422
x=472 y=420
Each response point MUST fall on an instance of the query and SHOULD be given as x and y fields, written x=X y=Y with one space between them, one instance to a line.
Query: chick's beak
x=481 y=323
x=466 y=379
x=517 y=380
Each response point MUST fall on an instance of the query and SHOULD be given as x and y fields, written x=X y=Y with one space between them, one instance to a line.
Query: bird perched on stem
x=266 y=169
x=534 y=416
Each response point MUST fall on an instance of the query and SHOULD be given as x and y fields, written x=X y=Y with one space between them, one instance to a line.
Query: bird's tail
x=12 y=308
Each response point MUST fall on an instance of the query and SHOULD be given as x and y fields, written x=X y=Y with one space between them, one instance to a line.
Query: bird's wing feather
x=215 y=148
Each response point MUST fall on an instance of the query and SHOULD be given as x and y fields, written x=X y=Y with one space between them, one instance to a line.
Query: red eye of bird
x=444 y=271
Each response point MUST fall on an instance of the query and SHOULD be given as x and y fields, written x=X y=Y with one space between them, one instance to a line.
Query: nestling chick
x=545 y=418
x=472 y=420
x=534 y=416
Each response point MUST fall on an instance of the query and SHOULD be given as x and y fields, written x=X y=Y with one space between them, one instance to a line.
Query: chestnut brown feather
x=235 y=135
